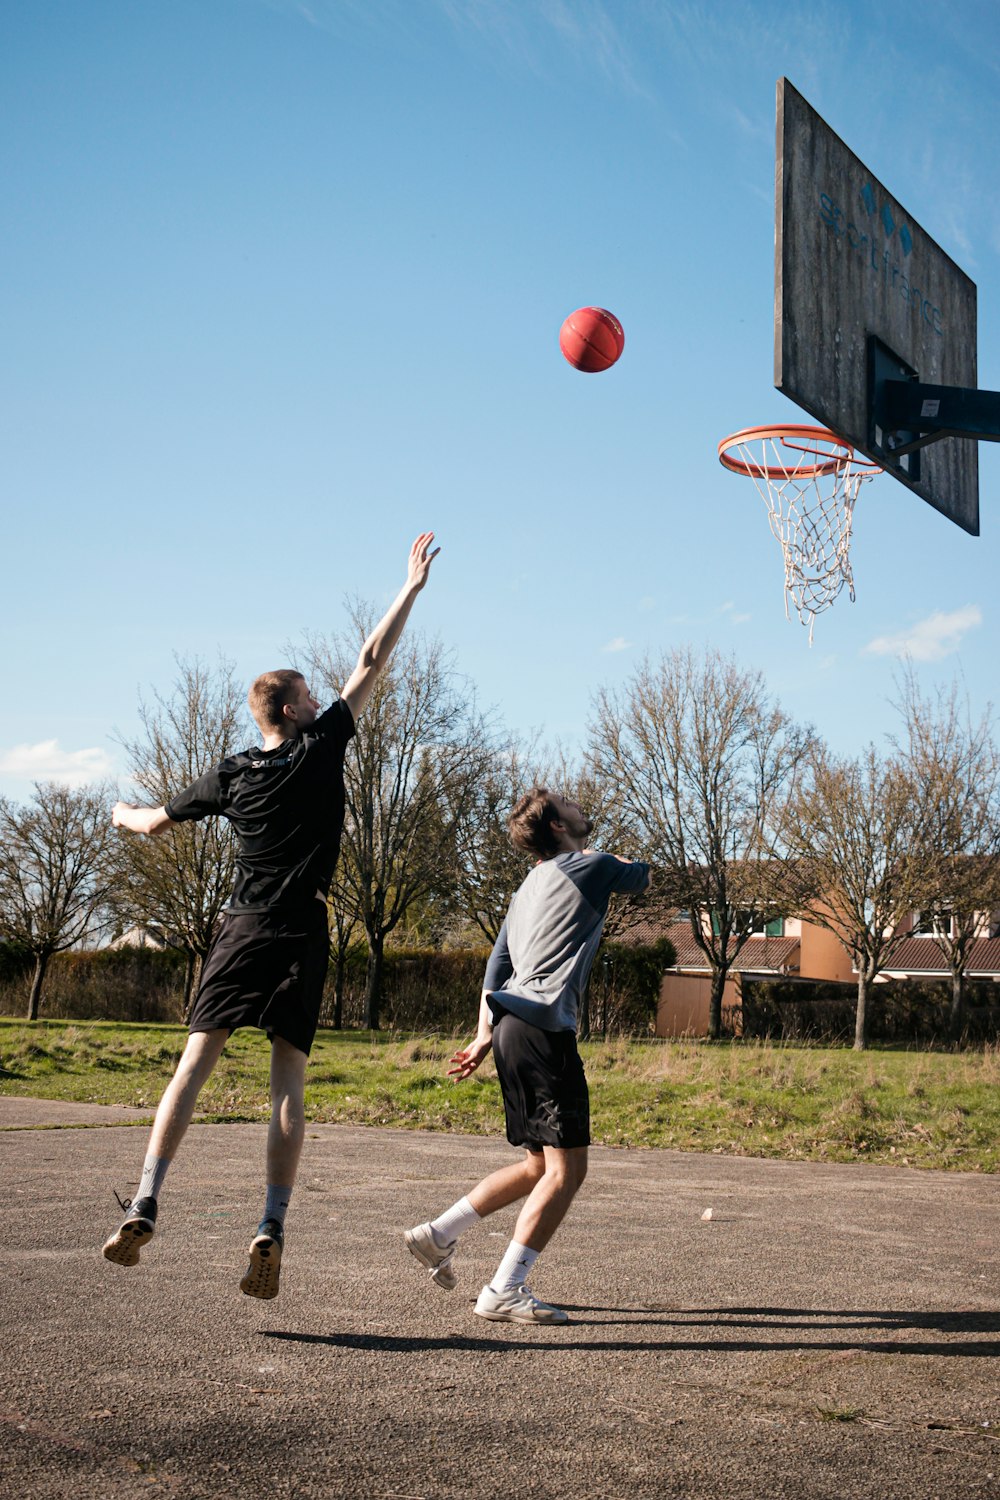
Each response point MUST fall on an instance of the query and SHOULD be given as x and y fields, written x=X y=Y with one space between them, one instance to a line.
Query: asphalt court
x=830 y=1331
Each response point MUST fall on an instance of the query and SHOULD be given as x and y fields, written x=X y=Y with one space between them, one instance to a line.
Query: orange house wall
x=684 y=1004
x=823 y=956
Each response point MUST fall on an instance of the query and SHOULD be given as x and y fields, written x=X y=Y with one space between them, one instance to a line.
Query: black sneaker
x=135 y=1229
x=261 y=1279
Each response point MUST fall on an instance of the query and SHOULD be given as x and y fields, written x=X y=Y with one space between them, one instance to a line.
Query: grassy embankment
x=927 y=1109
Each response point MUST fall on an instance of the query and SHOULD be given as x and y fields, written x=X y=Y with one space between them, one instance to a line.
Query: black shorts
x=265 y=969
x=545 y=1096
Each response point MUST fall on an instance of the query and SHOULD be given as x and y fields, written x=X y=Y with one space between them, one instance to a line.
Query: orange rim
x=797 y=438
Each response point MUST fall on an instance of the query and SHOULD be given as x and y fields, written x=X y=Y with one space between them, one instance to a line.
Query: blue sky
x=281 y=286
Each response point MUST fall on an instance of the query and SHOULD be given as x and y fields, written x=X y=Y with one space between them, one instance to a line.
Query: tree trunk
x=192 y=973
x=583 y=1022
x=956 y=1018
x=339 y=971
x=715 y=1004
x=861 y=1014
x=38 y=978
x=373 y=983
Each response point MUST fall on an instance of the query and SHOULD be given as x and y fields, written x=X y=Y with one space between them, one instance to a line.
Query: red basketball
x=591 y=339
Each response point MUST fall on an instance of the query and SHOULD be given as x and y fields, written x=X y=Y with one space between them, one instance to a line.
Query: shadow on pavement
x=796 y=1321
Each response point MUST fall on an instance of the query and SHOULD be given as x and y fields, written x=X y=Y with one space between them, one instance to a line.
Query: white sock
x=154 y=1169
x=454 y=1221
x=276 y=1204
x=515 y=1268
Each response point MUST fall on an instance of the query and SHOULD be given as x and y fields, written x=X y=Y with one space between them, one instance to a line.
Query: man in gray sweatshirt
x=528 y=1015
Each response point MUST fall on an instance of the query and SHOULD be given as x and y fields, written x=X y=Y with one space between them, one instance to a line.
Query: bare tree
x=54 y=872
x=410 y=776
x=706 y=768
x=344 y=921
x=956 y=762
x=489 y=868
x=183 y=883
x=859 y=826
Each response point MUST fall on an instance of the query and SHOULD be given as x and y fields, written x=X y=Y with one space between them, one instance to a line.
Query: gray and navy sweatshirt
x=542 y=956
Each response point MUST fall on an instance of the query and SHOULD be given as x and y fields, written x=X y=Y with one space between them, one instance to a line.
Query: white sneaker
x=517 y=1307
x=420 y=1242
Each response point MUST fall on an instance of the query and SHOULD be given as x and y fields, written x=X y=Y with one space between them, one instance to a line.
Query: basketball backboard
x=862 y=296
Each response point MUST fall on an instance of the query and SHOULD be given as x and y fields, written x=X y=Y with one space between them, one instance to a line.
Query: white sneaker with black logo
x=520 y=1306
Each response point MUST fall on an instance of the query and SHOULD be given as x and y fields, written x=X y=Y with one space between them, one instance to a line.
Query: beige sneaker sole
x=264 y=1270
x=122 y=1249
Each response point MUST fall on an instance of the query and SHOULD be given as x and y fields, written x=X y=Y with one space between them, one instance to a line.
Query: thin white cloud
x=584 y=30
x=932 y=639
x=45 y=761
x=618 y=643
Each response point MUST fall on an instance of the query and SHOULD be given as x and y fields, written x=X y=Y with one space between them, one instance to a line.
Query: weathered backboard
x=863 y=294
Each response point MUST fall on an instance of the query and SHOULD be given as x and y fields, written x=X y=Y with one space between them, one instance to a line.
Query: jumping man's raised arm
x=378 y=647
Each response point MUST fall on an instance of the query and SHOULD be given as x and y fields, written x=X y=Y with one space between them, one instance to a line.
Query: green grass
x=922 y=1109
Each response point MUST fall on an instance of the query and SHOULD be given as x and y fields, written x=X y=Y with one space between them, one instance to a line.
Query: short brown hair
x=530 y=823
x=268 y=695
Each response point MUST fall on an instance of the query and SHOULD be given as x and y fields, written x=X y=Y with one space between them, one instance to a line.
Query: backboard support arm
x=935 y=412
x=906 y=413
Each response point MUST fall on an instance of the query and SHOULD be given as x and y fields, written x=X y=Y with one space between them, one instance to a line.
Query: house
x=919 y=954
x=146 y=935
x=795 y=948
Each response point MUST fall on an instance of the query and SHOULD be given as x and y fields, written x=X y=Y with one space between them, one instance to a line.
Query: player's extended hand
x=467 y=1060
x=117 y=812
x=420 y=560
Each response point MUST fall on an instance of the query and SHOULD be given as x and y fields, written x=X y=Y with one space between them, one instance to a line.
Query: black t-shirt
x=287 y=811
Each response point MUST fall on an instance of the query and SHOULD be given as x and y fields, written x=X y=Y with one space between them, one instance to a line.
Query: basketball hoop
x=809 y=479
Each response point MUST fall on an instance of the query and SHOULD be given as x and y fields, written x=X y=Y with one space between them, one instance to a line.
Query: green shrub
x=624 y=988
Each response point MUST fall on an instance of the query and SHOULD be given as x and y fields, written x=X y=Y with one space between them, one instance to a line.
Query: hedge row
x=423 y=989
x=909 y=1011
x=120 y=984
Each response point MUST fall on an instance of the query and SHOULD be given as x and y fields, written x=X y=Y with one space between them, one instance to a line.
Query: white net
x=810 y=483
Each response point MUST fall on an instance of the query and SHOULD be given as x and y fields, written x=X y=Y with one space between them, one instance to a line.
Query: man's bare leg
x=434 y=1243
x=287 y=1129
x=551 y=1197
x=507 y=1297
x=173 y=1116
x=285 y=1136
x=508 y=1184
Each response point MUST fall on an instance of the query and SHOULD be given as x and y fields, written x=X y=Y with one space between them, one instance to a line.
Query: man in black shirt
x=268 y=959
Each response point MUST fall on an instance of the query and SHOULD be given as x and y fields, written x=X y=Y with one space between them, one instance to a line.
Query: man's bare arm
x=151 y=820
x=467 y=1060
x=378 y=647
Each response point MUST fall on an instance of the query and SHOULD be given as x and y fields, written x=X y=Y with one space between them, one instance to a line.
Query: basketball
x=591 y=339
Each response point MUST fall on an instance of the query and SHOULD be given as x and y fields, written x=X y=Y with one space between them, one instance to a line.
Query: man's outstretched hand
x=467 y=1060
x=420 y=560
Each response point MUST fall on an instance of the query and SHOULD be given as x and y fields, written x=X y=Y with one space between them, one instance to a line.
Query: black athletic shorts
x=545 y=1095
x=265 y=969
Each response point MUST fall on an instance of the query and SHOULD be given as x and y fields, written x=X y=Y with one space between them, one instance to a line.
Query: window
x=760 y=926
x=923 y=922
